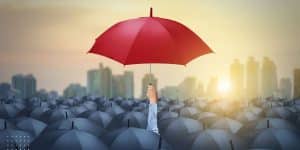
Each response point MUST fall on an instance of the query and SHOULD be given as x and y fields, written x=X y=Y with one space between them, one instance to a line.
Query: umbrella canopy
x=178 y=128
x=68 y=140
x=150 y=40
x=51 y=116
x=277 y=139
x=101 y=118
x=227 y=124
x=134 y=139
x=132 y=119
x=79 y=124
x=8 y=111
x=189 y=112
x=217 y=139
x=35 y=127
x=281 y=112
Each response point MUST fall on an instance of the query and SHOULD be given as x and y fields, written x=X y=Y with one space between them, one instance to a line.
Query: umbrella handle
x=150 y=73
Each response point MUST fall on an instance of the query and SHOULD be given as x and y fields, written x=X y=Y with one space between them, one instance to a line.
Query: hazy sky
x=50 y=38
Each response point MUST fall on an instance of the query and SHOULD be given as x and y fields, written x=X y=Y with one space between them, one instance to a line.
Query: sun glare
x=224 y=86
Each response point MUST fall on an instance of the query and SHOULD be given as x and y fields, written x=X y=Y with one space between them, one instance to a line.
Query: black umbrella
x=217 y=139
x=250 y=129
x=68 y=140
x=133 y=119
x=33 y=126
x=227 y=124
x=127 y=104
x=178 y=128
x=38 y=112
x=56 y=115
x=188 y=112
x=281 y=112
x=5 y=124
x=167 y=115
x=277 y=139
x=135 y=139
x=78 y=110
x=114 y=109
x=79 y=124
x=14 y=139
x=8 y=111
x=101 y=118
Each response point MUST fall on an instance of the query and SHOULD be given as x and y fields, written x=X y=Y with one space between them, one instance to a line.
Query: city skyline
x=61 y=32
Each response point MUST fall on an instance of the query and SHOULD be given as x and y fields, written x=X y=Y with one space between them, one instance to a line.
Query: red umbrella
x=150 y=40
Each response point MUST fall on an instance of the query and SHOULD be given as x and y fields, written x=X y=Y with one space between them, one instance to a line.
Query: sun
x=224 y=86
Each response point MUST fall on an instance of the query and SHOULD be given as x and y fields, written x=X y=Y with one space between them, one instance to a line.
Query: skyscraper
x=118 y=86
x=188 y=88
x=237 y=79
x=285 y=88
x=94 y=82
x=106 y=82
x=129 y=84
x=252 y=79
x=25 y=84
x=212 y=87
x=74 y=90
x=297 y=83
x=147 y=79
x=268 y=78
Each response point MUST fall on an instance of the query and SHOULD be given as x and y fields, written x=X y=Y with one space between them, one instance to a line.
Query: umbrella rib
x=142 y=26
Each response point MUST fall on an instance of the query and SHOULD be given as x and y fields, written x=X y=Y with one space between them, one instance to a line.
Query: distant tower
x=237 y=79
x=26 y=85
x=285 y=88
x=297 y=83
x=212 y=88
x=106 y=82
x=268 y=78
x=74 y=90
x=94 y=82
x=129 y=84
x=147 y=79
x=188 y=88
x=252 y=78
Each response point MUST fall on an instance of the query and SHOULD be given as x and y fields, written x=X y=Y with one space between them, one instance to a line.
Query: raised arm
x=152 y=114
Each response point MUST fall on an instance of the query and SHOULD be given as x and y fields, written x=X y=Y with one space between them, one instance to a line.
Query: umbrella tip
x=72 y=125
x=128 y=123
x=5 y=125
x=231 y=145
x=160 y=143
x=151 y=12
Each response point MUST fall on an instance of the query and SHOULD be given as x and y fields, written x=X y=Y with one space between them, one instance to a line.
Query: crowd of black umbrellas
x=96 y=123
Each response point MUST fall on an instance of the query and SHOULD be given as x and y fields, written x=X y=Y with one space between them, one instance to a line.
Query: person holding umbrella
x=152 y=114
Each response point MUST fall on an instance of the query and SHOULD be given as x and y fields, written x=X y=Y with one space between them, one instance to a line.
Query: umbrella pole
x=150 y=75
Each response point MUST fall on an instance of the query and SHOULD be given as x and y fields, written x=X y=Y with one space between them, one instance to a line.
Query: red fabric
x=150 y=40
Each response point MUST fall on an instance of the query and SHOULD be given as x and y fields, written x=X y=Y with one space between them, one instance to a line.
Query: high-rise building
x=237 y=79
x=106 y=82
x=25 y=84
x=118 y=86
x=268 y=78
x=94 y=82
x=285 y=88
x=170 y=92
x=297 y=83
x=252 y=78
x=128 y=78
x=212 y=85
x=147 y=79
x=74 y=90
x=200 y=90
x=188 y=88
